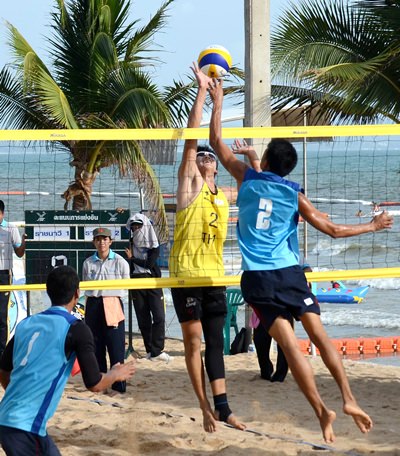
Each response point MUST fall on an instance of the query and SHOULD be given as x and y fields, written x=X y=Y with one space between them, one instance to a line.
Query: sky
x=193 y=25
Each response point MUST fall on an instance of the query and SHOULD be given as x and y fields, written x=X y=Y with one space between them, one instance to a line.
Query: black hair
x=61 y=285
x=2 y=206
x=281 y=157
x=205 y=148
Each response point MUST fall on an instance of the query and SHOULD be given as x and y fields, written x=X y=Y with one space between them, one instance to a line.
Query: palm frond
x=179 y=98
x=17 y=111
x=103 y=59
x=54 y=101
x=135 y=99
x=141 y=47
x=341 y=52
x=386 y=12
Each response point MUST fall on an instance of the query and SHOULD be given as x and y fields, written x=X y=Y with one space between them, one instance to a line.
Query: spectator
x=104 y=312
x=10 y=242
x=148 y=302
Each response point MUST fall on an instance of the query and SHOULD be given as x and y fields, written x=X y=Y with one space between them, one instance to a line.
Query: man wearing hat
x=142 y=254
x=104 y=310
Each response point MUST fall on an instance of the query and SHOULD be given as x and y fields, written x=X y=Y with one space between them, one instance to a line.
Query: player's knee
x=192 y=344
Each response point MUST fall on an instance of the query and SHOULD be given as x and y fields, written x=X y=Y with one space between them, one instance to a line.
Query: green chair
x=234 y=299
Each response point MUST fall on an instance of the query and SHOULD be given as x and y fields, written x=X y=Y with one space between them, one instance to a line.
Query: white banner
x=51 y=233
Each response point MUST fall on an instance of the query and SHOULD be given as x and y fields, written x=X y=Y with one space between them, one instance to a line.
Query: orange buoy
x=360 y=346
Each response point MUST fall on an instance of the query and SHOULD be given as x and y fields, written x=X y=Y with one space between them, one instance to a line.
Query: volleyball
x=215 y=61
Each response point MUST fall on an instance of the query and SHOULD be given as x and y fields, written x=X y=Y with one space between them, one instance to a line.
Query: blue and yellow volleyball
x=215 y=61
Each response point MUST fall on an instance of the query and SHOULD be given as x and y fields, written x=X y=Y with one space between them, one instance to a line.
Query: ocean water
x=342 y=177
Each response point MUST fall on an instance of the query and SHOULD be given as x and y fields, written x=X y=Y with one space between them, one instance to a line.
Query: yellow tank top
x=199 y=235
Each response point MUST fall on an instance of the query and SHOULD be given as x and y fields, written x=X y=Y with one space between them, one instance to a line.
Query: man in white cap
x=142 y=256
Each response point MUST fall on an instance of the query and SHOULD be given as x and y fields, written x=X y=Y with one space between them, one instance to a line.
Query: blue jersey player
x=273 y=282
x=36 y=365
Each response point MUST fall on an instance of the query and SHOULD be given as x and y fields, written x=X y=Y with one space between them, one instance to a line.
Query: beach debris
x=96 y=401
x=177 y=415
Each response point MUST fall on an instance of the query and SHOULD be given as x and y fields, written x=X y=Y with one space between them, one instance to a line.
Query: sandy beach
x=159 y=415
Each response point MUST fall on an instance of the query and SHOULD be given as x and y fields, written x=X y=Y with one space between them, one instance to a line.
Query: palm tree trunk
x=80 y=190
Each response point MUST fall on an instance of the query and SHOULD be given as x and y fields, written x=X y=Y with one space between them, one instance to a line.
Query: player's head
x=280 y=157
x=2 y=207
x=205 y=153
x=61 y=285
x=102 y=240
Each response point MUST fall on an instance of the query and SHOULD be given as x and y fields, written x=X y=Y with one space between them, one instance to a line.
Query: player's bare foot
x=362 y=420
x=232 y=420
x=209 y=421
x=326 y=420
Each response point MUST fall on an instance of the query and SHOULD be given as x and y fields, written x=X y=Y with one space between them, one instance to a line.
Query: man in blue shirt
x=103 y=309
x=273 y=282
x=36 y=365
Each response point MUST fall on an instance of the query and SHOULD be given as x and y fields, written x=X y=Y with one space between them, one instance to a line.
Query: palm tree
x=97 y=79
x=342 y=58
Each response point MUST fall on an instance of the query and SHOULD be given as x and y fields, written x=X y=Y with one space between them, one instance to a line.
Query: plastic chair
x=234 y=299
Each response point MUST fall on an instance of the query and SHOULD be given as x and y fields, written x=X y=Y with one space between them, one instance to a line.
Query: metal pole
x=305 y=234
x=141 y=199
x=257 y=79
x=28 y=303
x=257 y=66
x=130 y=348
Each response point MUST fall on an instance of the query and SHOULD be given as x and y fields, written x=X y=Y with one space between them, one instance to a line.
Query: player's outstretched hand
x=383 y=221
x=202 y=79
x=241 y=147
x=215 y=89
x=124 y=371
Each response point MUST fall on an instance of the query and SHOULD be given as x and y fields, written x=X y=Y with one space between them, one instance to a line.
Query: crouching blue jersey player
x=36 y=365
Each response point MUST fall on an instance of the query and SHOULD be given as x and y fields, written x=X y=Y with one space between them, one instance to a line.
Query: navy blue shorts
x=278 y=293
x=198 y=302
x=16 y=442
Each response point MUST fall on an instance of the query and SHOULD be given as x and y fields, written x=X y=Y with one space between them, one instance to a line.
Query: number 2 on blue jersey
x=264 y=214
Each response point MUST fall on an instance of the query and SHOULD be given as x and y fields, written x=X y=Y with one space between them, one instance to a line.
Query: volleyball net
x=350 y=173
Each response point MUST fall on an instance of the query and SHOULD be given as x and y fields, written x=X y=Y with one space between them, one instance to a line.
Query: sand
x=159 y=415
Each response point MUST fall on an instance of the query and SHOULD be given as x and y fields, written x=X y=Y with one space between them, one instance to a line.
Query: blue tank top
x=40 y=371
x=268 y=218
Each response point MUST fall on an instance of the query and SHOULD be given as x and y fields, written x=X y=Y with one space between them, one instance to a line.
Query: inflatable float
x=342 y=294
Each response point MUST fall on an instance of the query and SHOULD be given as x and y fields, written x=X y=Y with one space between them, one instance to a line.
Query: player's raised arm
x=319 y=221
x=228 y=159
x=189 y=177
